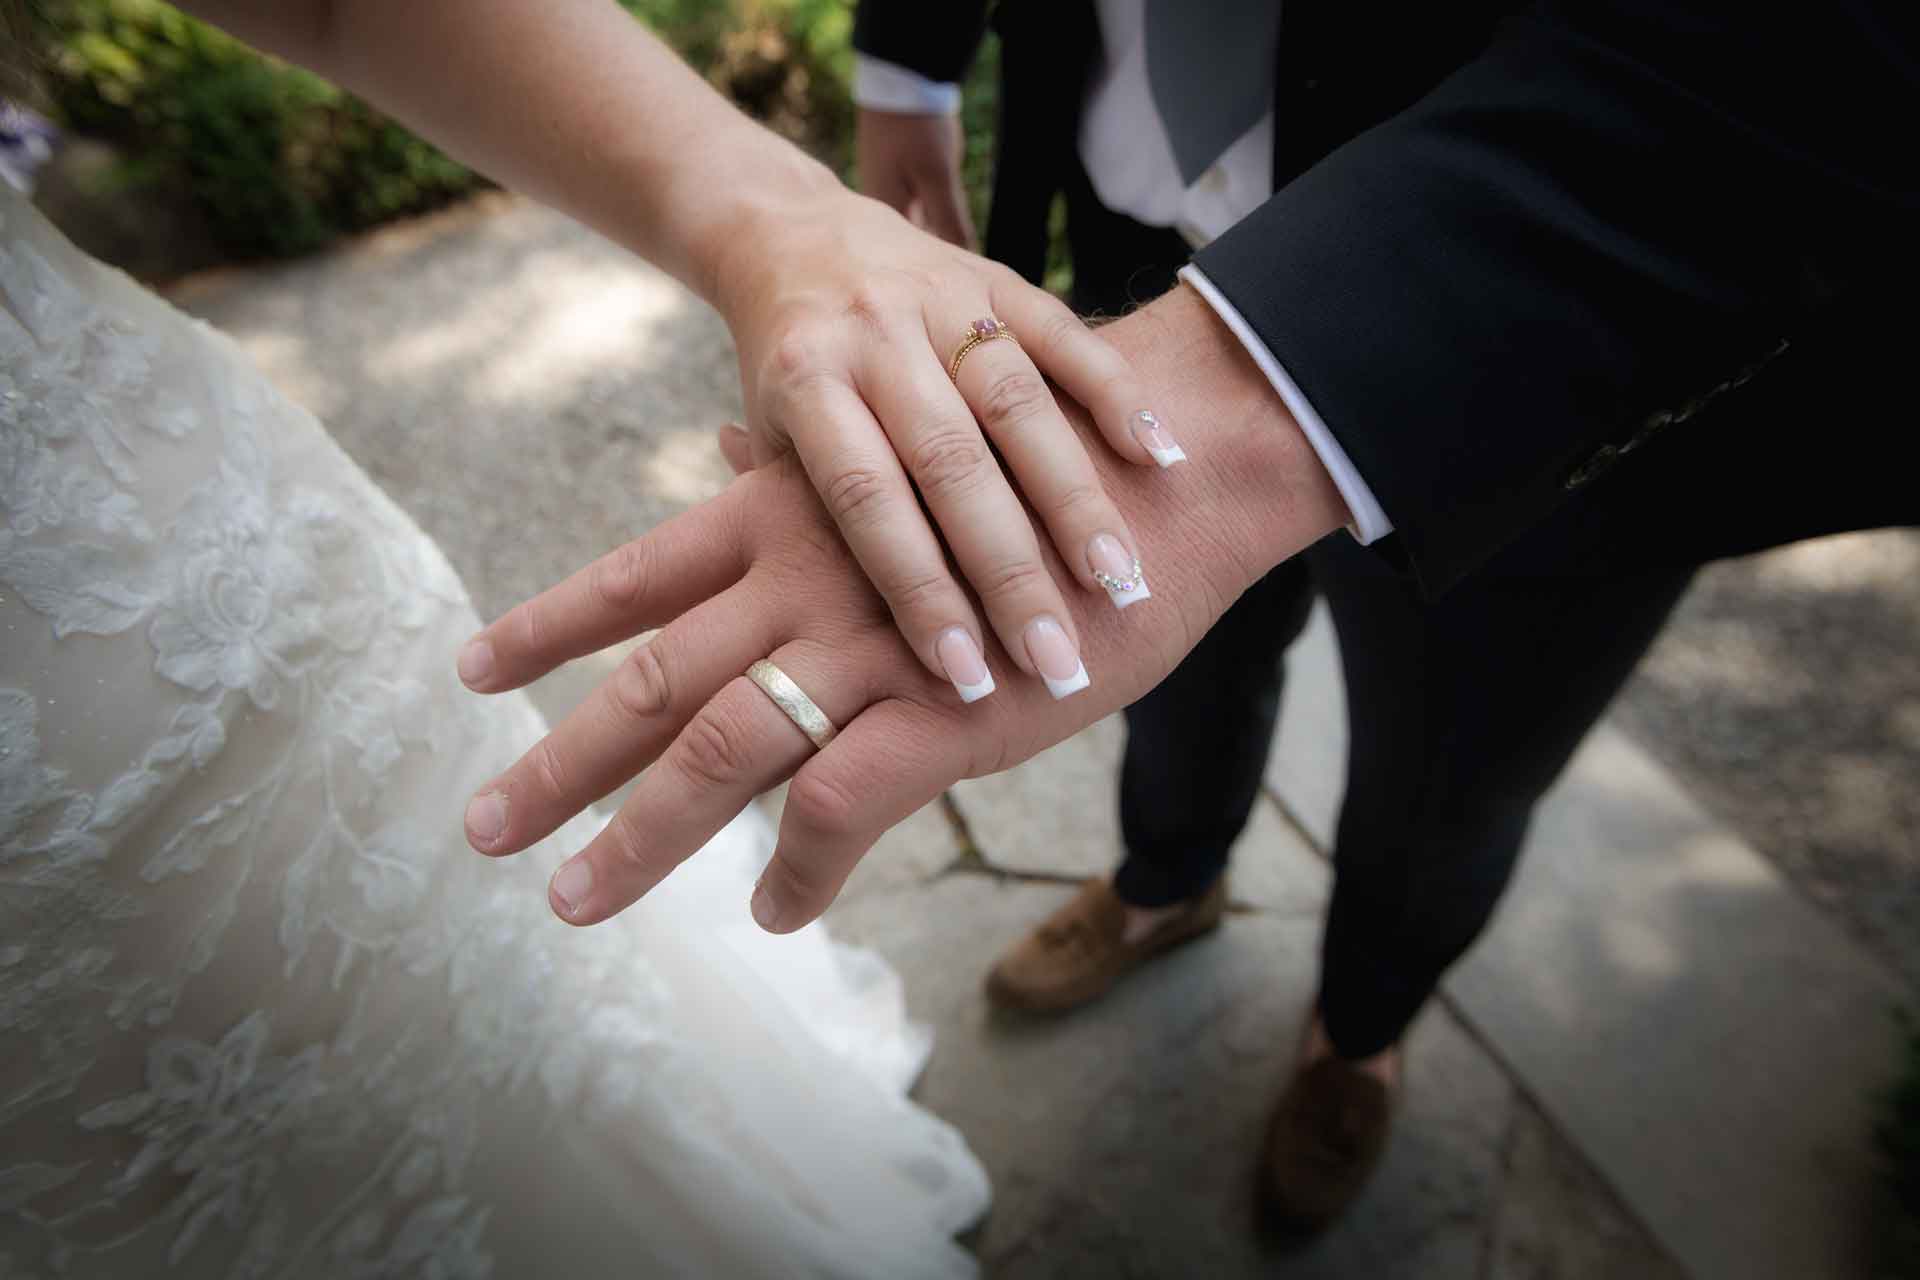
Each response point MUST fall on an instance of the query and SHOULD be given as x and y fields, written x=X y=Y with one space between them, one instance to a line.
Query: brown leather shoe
x=1081 y=951
x=1326 y=1138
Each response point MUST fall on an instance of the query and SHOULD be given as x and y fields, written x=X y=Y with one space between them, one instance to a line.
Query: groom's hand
x=761 y=572
x=911 y=161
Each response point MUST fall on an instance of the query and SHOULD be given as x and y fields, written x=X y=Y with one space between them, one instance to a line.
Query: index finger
x=644 y=584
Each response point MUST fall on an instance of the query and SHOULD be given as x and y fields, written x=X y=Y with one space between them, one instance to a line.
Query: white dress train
x=262 y=1012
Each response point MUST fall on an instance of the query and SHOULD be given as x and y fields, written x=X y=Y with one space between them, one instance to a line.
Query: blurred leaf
x=281 y=162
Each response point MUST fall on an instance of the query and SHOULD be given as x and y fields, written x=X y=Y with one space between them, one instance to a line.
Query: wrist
x=1267 y=494
x=774 y=184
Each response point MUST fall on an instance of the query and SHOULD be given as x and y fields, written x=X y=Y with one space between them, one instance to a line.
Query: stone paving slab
x=1708 y=1039
x=1713 y=1042
x=1559 y=1221
x=1122 y=1139
x=1058 y=816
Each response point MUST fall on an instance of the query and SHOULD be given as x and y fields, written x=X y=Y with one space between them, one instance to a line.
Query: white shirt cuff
x=1370 y=523
x=887 y=86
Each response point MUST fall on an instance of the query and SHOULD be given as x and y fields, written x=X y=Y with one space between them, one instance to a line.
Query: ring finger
x=934 y=432
x=1013 y=403
x=736 y=746
x=619 y=729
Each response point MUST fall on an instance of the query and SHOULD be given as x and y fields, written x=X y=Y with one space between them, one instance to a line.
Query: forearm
x=570 y=101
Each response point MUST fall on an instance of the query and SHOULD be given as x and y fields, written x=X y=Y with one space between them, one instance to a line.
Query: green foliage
x=1898 y=1138
x=280 y=162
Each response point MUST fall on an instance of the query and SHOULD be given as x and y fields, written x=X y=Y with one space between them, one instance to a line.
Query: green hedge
x=280 y=161
x=1897 y=1246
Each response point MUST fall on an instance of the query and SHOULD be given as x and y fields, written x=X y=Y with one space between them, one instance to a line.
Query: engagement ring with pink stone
x=985 y=329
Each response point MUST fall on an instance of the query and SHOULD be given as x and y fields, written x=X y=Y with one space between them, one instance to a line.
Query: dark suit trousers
x=1463 y=710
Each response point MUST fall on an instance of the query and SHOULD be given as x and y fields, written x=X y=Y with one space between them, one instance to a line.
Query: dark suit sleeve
x=1568 y=246
x=938 y=40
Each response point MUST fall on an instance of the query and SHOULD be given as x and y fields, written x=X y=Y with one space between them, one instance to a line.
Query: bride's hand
x=847 y=319
x=760 y=572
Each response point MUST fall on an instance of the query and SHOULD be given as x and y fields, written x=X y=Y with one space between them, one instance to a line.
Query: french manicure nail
x=1118 y=570
x=1058 y=661
x=965 y=667
x=487 y=816
x=1156 y=439
x=766 y=912
x=572 y=883
x=476 y=661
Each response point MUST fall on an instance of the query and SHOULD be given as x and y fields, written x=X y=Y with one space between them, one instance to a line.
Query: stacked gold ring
x=985 y=329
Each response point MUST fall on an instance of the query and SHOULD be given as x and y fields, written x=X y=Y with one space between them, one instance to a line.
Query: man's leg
x=1197 y=745
x=1461 y=713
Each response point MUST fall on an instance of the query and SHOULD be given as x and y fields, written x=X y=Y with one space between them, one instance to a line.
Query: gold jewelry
x=985 y=329
x=790 y=698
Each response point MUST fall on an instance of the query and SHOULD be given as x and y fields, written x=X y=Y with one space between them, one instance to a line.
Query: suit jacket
x=1510 y=245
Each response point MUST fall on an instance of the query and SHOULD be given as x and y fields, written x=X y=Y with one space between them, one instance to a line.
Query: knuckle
x=641 y=688
x=855 y=497
x=794 y=356
x=618 y=581
x=1013 y=397
x=917 y=593
x=549 y=775
x=1060 y=326
x=529 y=623
x=867 y=306
x=822 y=804
x=630 y=848
x=713 y=750
x=950 y=460
x=1078 y=496
x=1012 y=580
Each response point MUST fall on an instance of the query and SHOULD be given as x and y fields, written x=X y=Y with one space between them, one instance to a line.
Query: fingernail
x=766 y=912
x=476 y=661
x=965 y=667
x=572 y=883
x=487 y=816
x=1053 y=653
x=1118 y=570
x=1156 y=439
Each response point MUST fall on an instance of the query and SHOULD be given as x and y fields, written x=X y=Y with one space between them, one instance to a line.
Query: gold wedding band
x=985 y=329
x=790 y=698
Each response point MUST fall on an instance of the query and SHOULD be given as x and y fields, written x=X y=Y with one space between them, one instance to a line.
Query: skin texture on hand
x=850 y=323
x=911 y=163
x=760 y=571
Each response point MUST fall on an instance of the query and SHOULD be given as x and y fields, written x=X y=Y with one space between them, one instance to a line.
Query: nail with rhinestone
x=1156 y=439
x=1118 y=570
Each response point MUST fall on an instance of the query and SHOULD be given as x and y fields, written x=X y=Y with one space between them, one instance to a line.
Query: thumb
x=736 y=446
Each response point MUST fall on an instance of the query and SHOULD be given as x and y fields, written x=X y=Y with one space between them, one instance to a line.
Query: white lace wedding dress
x=262 y=1012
